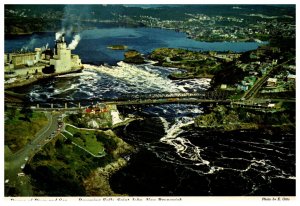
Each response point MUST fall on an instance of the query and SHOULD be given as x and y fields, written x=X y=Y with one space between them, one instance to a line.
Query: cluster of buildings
x=98 y=108
x=41 y=62
x=282 y=82
x=224 y=28
x=259 y=63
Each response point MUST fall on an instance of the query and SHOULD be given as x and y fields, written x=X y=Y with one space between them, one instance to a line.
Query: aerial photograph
x=149 y=100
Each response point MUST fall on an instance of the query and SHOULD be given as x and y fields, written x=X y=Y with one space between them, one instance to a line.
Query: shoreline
x=207 y=40
x=226 y=119
x=35 y=79
x=208 y=76
x=97 y=184
x=244 y=126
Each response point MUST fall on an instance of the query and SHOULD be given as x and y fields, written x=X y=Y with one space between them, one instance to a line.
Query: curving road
x=14 y=162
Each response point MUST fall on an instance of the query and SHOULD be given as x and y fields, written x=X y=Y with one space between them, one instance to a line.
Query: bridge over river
x=130 y=99
x=205 y=97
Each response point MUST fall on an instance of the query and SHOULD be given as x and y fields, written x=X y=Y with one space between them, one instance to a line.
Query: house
x=271 y=82
x=88 y=110
x=223 y=86
x=271 y=105
x=291 y=78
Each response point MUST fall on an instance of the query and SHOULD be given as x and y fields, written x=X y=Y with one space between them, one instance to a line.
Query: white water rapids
x=145 y=79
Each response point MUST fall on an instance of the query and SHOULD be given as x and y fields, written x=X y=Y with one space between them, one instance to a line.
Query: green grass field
x=86 y=139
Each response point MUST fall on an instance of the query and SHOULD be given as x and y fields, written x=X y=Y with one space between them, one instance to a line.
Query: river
x=93 y=45
x=170 y=159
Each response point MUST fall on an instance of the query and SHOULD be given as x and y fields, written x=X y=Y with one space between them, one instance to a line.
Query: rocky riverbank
x=230 y=119
x=134 y=57
x=97 y=183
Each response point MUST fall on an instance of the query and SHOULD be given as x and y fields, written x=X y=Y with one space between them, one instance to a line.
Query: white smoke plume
x=45 y=47
x=74 y=42
x=29 y=45
x=59 y=34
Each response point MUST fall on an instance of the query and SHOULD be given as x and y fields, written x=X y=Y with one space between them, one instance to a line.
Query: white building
x=62 y=57
x=63 y=60
x=291 y=77
x=271 y=82
x=32 y=63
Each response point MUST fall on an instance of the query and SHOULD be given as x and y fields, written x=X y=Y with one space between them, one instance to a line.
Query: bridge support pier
x=66 y=105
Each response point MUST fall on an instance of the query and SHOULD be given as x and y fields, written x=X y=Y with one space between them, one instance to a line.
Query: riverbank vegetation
x=61 y=167
x=228 y=119
x=194 y=64
x=21 y=126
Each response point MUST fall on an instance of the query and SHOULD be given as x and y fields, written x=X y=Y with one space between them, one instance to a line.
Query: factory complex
x=25 y=68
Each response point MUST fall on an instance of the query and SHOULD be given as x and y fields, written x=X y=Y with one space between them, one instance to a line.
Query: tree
x=77 y=135
x=68 y=141
x=58 y=144
x=27 y=112
x=11 y=113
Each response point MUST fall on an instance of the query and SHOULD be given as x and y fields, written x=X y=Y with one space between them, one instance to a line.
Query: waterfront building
x=34 y=63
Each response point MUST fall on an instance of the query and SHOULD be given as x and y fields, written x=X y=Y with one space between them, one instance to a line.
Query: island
x=133 y=56
x=117 y=47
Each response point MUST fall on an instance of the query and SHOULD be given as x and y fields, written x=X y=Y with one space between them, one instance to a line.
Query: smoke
x=64 y=31
x=71 y=22
x=59 y=34
x=45 y=47
x=74 y=42
x=29 y=45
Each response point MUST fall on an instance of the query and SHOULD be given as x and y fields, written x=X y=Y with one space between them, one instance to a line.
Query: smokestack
x=59 y=36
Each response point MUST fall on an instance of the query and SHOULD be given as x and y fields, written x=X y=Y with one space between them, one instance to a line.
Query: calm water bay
x=93 y=45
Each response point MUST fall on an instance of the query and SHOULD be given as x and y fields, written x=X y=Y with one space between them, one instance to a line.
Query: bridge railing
x=202 y=95
x=64 y=103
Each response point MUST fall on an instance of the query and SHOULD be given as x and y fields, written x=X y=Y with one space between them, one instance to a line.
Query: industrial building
x=42 y=62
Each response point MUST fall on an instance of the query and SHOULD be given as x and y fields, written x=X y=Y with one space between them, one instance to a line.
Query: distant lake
x=93 y=45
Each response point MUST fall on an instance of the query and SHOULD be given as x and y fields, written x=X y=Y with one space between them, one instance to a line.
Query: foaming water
x=180 y=160
x=141 y=79
x=184 y=148
x=113 y=81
